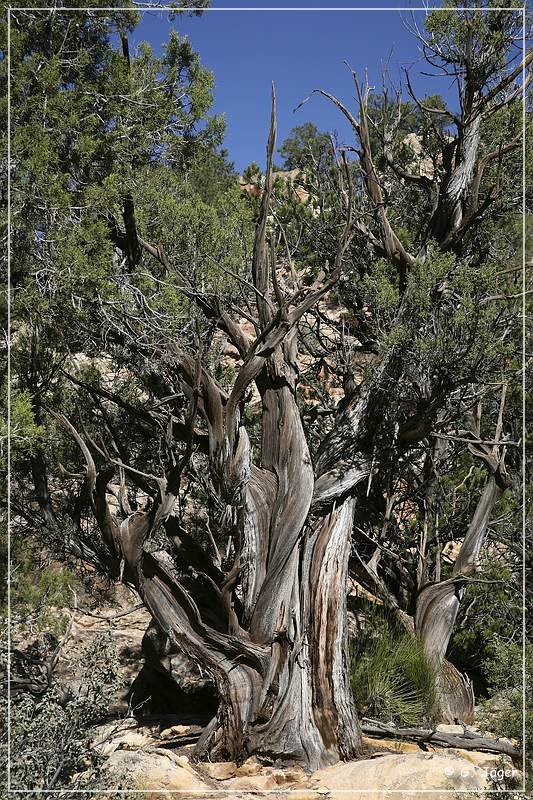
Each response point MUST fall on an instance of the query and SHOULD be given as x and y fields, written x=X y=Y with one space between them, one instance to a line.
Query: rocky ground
x=157 y=759
x=153 y=752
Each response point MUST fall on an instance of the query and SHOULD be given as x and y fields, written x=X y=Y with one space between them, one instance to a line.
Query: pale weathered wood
x=466 y=741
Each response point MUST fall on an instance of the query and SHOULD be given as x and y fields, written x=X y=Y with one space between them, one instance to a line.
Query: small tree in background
x=307 y=149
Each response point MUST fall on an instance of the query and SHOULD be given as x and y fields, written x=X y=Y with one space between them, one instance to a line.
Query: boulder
x=170 y=682
x=125 y=734
x=175 y=730
x=157 y=770
x=439 y=772
x=250 y=767
x=219 y=770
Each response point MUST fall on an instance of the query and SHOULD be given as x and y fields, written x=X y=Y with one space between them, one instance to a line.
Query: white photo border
x=425 y=9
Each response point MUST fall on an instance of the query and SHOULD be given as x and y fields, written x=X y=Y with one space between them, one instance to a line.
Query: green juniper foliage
x=307 y=148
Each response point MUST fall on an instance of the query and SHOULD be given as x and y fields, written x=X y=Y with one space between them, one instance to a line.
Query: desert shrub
x=502 y=713
x=40 y=597
x=392 y=678
x=41 y=589
x=51 y=733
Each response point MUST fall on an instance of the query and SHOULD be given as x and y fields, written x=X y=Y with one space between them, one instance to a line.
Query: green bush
x=39 y=596
x=41 y=588
x=392 y=678
x=51 y=734
x=502 y=713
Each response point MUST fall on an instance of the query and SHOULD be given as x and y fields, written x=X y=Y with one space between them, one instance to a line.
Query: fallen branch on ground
x=466 y=741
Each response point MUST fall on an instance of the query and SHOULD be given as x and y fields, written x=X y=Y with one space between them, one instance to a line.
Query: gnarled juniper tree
x=245 y=420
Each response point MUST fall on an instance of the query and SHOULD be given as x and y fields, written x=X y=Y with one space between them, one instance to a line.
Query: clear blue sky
x=299 y=51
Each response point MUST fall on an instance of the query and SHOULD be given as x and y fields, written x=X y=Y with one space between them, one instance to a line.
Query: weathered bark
x=455 y=695
x=457 y=185
x=334 y=705
x=438 y=605
x=277 y=599
x=299 y=611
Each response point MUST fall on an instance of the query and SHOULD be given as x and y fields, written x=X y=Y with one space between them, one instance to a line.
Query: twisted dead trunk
x=457 y=185
x=438 y=605
x=276 y=649
x=306 y=709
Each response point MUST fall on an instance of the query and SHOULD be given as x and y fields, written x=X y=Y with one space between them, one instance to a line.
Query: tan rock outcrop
x=405 y=774
x=156 y=769
x=394 y=769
